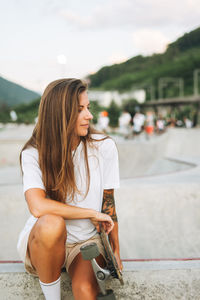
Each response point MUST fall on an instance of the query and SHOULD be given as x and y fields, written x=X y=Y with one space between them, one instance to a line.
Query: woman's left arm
x=108 y=207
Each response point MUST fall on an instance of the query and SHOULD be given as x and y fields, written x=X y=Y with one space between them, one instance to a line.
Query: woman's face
x=84 y=116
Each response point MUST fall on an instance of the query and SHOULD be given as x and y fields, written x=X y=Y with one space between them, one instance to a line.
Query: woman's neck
x=76 y=142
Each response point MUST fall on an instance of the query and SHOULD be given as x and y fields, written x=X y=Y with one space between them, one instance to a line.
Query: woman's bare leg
x=46 y=247
x=84 y=284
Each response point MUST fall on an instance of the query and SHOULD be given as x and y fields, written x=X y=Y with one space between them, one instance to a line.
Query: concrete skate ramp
x=12 y=139
x=160 y=155
x=158 y=215
x=137 y=158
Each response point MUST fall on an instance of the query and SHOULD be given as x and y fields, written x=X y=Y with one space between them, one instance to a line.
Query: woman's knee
x=84 y=289
x=50 y=229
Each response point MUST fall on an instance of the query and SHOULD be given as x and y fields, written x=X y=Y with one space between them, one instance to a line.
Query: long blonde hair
x=53 y=137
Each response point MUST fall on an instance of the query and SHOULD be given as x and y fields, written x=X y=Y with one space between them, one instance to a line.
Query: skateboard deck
x=112 y=264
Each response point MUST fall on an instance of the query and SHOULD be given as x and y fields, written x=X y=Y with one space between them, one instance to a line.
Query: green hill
x=180 y=59
x=12 y=94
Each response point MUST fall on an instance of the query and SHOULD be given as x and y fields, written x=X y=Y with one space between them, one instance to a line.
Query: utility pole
x=152 y=92
x=181 y=87
x=160 y=88
x=196 y=92
x=196 y=86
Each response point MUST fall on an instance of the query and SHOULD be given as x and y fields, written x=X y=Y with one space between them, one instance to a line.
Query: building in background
x=104 y=98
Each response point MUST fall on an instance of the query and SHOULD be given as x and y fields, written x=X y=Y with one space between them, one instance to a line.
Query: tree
x=130 y=106
x=113 y=112
x=4 y=113
x=95 y=109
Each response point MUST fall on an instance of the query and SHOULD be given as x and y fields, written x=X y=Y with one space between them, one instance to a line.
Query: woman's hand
x=100 y=219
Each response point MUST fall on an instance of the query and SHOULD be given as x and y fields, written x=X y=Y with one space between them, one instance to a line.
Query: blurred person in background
x=160 y=125
x=138 y=123
x=187 y=122
x=149 y=124
x=124 y=124
x=179 y=123
x=70 y=172
x=103 y=121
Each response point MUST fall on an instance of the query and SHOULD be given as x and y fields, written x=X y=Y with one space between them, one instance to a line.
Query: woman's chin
x=83 y=132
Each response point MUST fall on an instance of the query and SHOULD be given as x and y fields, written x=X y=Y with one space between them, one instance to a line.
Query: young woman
x=69 y=175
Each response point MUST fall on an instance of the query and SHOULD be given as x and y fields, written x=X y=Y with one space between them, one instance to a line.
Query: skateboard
x=90 y=252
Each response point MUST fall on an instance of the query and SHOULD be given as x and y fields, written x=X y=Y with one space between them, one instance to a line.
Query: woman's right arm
x=39 y=205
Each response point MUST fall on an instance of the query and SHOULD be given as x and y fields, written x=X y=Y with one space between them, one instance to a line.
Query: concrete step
x=163 y=280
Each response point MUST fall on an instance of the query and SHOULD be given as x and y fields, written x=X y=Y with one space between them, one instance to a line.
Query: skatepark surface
x=158 y=207
x=158 y=203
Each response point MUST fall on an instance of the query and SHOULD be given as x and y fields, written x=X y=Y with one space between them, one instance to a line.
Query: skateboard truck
x=90 y=252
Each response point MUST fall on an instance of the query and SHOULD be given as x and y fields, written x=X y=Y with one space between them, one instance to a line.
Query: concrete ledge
x=128 y=265
x=149 y=280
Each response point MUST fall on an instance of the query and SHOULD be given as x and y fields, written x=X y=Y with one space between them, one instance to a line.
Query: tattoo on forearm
x=108 y=206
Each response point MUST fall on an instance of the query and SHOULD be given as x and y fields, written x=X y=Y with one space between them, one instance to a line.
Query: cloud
x=149 y=41
x=135 y=14
x=76 y=20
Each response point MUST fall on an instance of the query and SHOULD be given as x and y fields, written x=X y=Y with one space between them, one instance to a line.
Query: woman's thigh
x=84 y=284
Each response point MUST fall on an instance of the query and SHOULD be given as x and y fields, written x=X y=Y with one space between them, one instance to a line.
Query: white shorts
x=71 y=249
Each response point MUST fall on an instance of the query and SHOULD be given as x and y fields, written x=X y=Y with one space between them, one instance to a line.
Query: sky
x=37 y=35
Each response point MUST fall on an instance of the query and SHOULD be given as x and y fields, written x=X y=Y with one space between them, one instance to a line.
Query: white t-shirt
x=104 y=174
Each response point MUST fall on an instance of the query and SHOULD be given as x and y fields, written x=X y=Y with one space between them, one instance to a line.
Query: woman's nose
x=89 y=116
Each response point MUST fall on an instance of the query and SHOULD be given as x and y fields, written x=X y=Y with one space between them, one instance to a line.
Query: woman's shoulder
x=30 y=153
x=103 y=141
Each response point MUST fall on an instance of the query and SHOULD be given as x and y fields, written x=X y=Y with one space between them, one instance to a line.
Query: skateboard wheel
x=109 y=296
x=89 y=251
